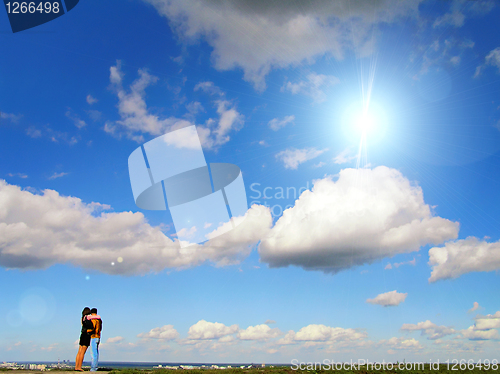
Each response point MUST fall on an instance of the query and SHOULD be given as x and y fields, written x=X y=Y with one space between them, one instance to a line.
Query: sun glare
x=364 y=123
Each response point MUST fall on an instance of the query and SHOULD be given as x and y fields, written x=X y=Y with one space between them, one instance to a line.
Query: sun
x=364 y=122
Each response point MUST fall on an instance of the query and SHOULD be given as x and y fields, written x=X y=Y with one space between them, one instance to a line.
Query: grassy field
x=288 y=370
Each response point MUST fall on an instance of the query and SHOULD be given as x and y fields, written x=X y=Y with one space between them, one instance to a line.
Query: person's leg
x=84 y=350
x=77 y=360
x=95 y=353
x=79 y=357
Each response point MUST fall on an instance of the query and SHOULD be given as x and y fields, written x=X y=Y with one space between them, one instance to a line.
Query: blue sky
x=391 y=249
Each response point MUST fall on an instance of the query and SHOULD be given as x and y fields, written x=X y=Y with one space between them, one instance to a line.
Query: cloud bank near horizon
x=337 y=225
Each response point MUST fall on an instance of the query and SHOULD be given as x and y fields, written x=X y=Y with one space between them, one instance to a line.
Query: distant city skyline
x=368 y=138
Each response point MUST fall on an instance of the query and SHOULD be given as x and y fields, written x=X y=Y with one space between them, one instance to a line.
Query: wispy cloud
x=429 y=329
x=292 y=157
x=491 y=59
x=314 y=86
x=136 y=118
x=9 y=116
x=57 y=175
x=91 y=100
x=33 y=132
x=75 y=118
x=344 y=157
x=398 y=264
x=275 y=124
x=53 y=135
x=454 y=18
x=19 y=175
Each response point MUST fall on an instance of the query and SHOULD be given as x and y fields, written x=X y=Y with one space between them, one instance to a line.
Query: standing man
x=95 y=337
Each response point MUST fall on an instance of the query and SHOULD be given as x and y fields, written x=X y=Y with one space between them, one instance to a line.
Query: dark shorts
x=85 y=340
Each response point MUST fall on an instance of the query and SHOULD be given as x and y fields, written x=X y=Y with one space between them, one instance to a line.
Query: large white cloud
x=363 y=216
x=39 y=230
x=391 y=298
x=463 y=256
x=337 y=225
x=258 y=35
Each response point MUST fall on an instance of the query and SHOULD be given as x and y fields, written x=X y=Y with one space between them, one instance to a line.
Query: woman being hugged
x=84 y=339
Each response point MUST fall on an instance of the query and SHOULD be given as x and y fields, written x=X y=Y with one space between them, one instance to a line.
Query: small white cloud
x=314 y=86
x=187 y=232
x=210 y=330
x=322 y=333
x=455 y=60
x=319 y=164
x=57 y=175
x=292 y=157
x=76 y=119
x=474 y=307
x=388 y=266
x=402 y=344
x=488 y=322
x=209 y=88
x=34 y=133
x=474 y=334
x=194 y=108
x=259 y=332
x=429 y=329
x=166 y=332
x=19 y=175
x=398 y=264
x=91 y=100
x=463 y=256
x=116 y=339
x=11 y=117
x=492 y=59
x=455 y=18
x=392 y=298
x=94 y=115
x=344 y=157
x=275 y=124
